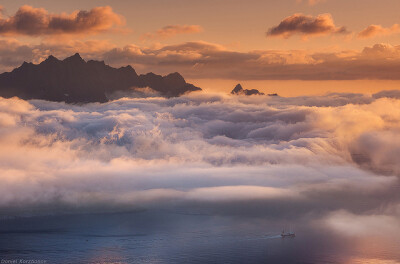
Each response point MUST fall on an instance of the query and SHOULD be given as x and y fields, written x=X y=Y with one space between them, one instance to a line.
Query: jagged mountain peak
x=26 y=64
x=50 y=60
x=128 y=68
x=76 y=58
x=238 y=90
x=74 y=80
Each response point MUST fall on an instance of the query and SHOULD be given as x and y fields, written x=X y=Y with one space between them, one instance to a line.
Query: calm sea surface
x=171 y=237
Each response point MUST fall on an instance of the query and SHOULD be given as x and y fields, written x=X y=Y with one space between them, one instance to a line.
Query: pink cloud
x=377 y=30
x=38 y=21
x=306 y=26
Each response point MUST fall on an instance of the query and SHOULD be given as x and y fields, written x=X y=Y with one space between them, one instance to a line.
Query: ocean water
x=174 y=237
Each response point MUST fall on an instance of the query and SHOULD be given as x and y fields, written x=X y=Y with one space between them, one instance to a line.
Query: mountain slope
x=74 y=80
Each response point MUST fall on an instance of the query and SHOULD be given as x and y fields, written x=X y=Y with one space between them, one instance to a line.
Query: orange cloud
x=382 y=51
x=38 y=21
x=377 y=30
x=172 y=30
x=206 y=60
x=198 y=60
x=306 y=26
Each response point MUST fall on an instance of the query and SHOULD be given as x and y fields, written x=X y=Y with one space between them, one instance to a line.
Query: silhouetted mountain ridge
x=238 y=90
x=74 y=80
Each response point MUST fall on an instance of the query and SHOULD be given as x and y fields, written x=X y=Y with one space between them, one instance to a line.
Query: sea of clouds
x=332 y=157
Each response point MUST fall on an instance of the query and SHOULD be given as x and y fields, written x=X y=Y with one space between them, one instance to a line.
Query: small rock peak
x=238 y=89
x=77 y=55
x=25 y=64
x=149 y=74
x=128 y=69
x=239 y=86
x=75 y=58
x=51 y=58
x=174 y=76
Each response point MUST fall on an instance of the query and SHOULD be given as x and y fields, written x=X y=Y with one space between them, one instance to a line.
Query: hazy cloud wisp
x=377 y=30
x=171 y=31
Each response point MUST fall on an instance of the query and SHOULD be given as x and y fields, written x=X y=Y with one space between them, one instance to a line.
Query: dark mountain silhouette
x=74 y=80
x=238 y=90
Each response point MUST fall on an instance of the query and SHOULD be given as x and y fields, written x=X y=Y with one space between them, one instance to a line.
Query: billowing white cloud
x=286 y=157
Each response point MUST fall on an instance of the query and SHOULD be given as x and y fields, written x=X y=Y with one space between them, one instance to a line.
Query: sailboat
x=288 y=234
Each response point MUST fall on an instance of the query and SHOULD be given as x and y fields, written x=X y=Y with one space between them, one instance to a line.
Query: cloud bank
x=305 y=26
x=200 y=59
x=38 y=21
x=207 y=60
x=268 y=156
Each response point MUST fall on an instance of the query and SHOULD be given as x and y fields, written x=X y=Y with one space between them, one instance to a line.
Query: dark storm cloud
x=306 y=26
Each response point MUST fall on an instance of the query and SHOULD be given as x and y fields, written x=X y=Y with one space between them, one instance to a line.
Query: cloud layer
x=207 y=60
x=38 y=21
x=260 y=155
x=198 y=60
x=305 y=26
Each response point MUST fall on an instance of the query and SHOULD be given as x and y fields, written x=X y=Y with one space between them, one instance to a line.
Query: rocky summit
x=74 y=80
x=238 y=90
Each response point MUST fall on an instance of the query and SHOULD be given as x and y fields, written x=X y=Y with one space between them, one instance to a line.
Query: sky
x=254 y=42
x=233 y=23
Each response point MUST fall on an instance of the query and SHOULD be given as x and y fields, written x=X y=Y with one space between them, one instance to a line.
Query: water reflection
x=165 y=237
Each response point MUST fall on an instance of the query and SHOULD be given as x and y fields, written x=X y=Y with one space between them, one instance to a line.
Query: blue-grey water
x=171 y=237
